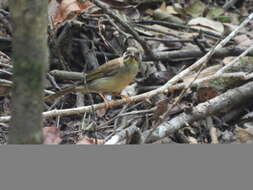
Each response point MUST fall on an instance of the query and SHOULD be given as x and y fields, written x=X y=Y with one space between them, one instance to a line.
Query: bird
x=109 y=78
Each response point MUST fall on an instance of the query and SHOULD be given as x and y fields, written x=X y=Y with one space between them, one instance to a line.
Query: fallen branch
x=219 y=104
x=219 y=53
x=132 y=134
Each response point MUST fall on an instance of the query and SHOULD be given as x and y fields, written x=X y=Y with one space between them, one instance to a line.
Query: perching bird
x=109 y=78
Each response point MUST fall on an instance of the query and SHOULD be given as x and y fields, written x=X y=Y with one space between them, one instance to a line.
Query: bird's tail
x=64 y=92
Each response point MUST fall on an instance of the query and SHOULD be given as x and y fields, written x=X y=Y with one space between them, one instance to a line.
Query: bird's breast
x=115 y=83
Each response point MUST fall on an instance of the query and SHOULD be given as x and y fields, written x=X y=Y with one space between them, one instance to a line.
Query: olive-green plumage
x=111 y=77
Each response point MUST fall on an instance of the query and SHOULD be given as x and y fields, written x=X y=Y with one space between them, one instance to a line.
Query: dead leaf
x=195 y=8
x=51 y=135
x=227 y=60
x=86 y=140
x=205 y=24
x=244 y=135
x=192 y=140
x=161 y=108
x=243 y=40
x=69 y=8
x=171 y=10
x=209 y=71
x=163 y=6
x=206 y=93
x=164 y=15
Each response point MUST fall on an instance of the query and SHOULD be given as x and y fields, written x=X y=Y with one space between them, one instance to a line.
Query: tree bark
x=30 y=56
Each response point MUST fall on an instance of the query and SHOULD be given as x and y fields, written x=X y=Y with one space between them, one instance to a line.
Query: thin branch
x=131 y=132
x=235 y=60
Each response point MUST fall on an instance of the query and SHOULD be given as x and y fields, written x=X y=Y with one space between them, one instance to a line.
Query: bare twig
x=235 y=60
x=5 y=65
x=212 y=130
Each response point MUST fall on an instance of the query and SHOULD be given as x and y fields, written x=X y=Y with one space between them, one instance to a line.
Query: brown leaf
x=243 y=40
x=86 y=140
x=207 y=25
x=51 y=135
x=161 y=108
x=206 y=93
x=68 y=8
x=244 y=135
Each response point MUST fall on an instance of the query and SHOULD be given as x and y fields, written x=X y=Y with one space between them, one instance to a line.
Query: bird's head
x=132 y=53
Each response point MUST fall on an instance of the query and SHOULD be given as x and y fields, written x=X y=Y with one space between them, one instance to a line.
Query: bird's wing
x=108 y=69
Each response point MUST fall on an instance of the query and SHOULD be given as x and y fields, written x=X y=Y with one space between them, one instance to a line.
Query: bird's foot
x=107 y=103
x=123 y=96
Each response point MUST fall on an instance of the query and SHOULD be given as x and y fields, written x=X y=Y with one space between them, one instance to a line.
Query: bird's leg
x=107 y=104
